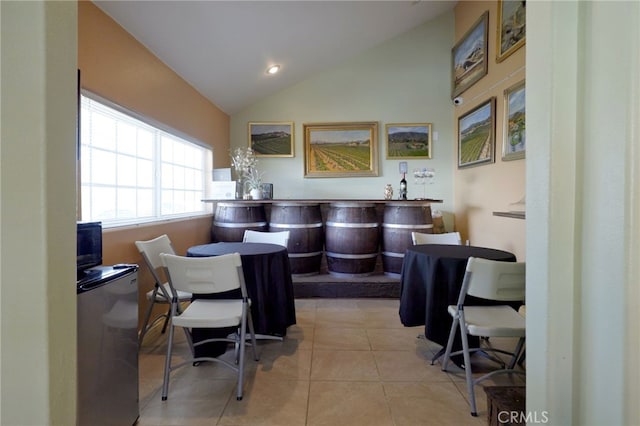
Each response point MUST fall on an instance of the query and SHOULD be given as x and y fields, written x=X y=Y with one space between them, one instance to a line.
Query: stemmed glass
x=422 y=177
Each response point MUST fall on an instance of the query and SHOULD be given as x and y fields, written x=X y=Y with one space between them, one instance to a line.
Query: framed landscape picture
x=271 y=139
x=514 y=143
x=476 y=135
x=340 y=149
x=511 y=32
x=469 y=57
x=408 y=140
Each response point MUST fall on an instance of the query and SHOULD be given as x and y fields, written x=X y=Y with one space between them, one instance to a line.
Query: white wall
x=583 y=86
x=37 y=213
x=405 y=80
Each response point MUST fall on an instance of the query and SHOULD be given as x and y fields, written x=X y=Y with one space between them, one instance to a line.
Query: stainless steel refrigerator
x=108 y=346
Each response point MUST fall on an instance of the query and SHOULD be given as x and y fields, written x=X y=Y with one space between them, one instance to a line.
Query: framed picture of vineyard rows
x=340 y=149
x=476 y=135
x=271 y=139
x=408 y=140
x=514 y=141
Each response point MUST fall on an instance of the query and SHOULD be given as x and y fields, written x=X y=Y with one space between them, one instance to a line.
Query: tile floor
x=346 y=362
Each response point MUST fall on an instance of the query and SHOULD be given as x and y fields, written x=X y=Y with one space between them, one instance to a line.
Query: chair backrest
x=151 y=250
x=494 y=280
x=280 y=238
x=205 y=275
x=446 y=238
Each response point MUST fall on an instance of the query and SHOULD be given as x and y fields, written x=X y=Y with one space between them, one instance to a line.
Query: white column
x=582 y=117
x=37 y=212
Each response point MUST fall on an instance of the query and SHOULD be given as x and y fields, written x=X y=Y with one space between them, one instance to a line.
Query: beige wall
x=481 y=190
x=117 y=67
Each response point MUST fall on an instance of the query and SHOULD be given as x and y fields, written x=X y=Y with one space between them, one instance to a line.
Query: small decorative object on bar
x=271 y=139
x=243 y=160
x=408 y=140
x=513 y=144
x=476 y=135
x=253 y=184
x=469 y=57
x=511 y=27
x=340 y=149
x=388 y=192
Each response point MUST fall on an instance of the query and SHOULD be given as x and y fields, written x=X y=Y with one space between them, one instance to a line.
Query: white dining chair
x=489 y=280
x=446 y=238
x=281 y=237
x=209 y=275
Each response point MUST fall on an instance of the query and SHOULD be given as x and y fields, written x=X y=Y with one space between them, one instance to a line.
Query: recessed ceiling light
x=273 y=69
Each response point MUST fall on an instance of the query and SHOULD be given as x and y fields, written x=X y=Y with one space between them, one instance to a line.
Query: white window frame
x=190 y=176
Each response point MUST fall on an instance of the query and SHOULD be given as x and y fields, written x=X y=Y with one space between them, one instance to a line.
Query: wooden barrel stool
x=233 y=218
x=306 y=234
x=400 y=220
x=352 y=235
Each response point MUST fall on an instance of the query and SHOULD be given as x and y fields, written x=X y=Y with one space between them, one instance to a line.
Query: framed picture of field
x=511 y=32
x=271 y=139
x=476 y=135
x=408 y=140
x=514 y=143
x=340 y=149
x=469 y=57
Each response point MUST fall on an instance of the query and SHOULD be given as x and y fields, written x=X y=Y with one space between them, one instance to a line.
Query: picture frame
x=511 y=28
x=408 y=140
x=476 y=135
x=514 y=135
x=469 y=56
x=271 y=138
x=340 y=149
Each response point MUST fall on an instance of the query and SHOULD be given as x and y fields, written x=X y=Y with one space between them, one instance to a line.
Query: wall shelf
x=515 y=215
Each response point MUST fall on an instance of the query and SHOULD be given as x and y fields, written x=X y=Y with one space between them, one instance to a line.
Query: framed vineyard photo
x=514 y=143
x=271 y=139
x=340 y=149
x=511 y=32
x=408 y=140
x=476 y=135
x=469 y=57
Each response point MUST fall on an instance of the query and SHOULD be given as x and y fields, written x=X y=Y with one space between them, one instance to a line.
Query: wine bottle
x=403 y=188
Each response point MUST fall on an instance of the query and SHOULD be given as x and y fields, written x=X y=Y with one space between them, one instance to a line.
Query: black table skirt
x=267 y=276
x=431 y=280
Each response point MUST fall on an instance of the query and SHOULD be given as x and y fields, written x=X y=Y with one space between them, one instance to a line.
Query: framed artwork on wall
x=340 y=149
x=469 y=57
x=476 y=135
x=271 y=139
x=514 y=140
x=408 y=140
x=511 y=31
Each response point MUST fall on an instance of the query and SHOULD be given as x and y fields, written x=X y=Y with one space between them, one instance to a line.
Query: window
x=132 y=171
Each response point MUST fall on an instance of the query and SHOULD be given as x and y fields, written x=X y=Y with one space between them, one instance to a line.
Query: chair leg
x=167 y=364
x=447 y=353
x=467 y=367
x=517 y=353
x=147 y=317
x=242 y=345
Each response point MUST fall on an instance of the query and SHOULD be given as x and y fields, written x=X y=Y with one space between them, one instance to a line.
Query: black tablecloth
x=430 y=281
x=267 y=275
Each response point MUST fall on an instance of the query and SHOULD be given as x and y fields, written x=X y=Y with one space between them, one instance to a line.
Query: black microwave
x=89 y=246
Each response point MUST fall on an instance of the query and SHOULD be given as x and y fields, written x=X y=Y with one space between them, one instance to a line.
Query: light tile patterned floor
x=346 y=362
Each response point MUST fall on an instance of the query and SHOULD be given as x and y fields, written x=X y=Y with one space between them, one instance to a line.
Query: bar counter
x=351 y=236
x=322 y=201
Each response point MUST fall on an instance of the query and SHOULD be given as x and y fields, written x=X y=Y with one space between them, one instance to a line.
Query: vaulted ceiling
x=223 y=48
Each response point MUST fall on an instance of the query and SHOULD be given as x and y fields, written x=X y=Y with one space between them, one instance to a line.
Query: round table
x=267 y=275
x=431 y=280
